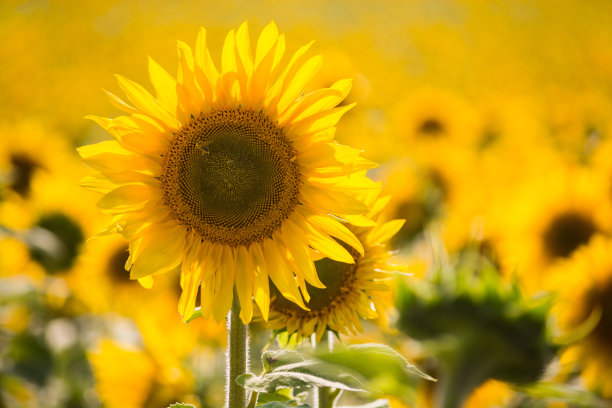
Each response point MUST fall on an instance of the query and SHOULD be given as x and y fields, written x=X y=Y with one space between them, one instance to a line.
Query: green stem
x=462 y=373
x=253 y=400
x=237 y=356
x=326 y=396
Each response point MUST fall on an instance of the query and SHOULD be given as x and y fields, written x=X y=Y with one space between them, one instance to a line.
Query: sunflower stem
x=237 y=356
x=326 y=396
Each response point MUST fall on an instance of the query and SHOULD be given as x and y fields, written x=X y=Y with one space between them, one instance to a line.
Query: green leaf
x=181 y=405
x=272 y=359
x=384 y=370
x=301 y=374
x=564 y=393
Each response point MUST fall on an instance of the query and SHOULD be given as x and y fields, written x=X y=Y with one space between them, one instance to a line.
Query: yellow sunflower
x=547 y=218
x=584 y=285
x=352 y=290
x=233 y=173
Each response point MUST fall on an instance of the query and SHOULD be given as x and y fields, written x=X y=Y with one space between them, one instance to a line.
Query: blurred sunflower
x=491 y=394
x=351 y=290
x=231 y=173
x=41 y=207
x=155 y=366
x=414 y=198
x=431 y=117
x=551 y=217
x=584 y=285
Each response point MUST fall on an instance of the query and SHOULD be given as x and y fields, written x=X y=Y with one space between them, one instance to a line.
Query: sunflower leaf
x=272 y=359
x=181 y=405
x=277 y=404
x=383 y=370
x=300 y=375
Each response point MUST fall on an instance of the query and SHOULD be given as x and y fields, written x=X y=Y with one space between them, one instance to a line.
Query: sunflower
x=550 y=218
x=352 y=290
x=584 y=285
x=233 y=173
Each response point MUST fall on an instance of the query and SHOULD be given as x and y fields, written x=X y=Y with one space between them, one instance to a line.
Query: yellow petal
x=206 y=72
x=186 y=76
x=228 y=55
x=119 y=103
x=324 y=243
x=317 y=101
x=299 y=251
x=318 y=122
x=164 y=85
x=225 y=284
x=333 y=228
x=161 y=251
x=261 y=289
x=143 y=100
x=281 y=276
x=267 y=40
x=332 y=202
x=146 y=282
x=191 y=274
x=384 y=232
x=244 y=60
x=280 y=83
x=297 y=82
x=245 y=275
x=125 y=199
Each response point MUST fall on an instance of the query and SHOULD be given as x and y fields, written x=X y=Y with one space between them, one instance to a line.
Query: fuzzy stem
x=237 y=356
x=326 y=396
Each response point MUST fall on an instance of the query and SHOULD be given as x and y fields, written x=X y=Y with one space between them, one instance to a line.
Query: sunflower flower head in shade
x=477 y=326
x=352 y=290
x=584 y=305
x=231 y=174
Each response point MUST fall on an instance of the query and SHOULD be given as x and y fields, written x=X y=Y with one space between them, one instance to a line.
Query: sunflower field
x=312 y=204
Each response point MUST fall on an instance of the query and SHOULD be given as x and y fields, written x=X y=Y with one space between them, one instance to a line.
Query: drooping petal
x=161 y=251
x=245 y=276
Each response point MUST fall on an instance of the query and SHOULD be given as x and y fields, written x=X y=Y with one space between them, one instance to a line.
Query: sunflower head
x=352 y=290
x=584 y=306
x=231 y=174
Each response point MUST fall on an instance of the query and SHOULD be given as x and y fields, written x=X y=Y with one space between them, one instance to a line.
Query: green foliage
x=302 y=374
x=379 y=367
x=55 y=241
x=282 y=395
x=545 y=394
x=469 y=317
x=181 y=405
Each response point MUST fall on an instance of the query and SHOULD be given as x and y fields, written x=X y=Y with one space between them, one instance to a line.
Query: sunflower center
x=116 y=266
x=431 y=127
x=231 y=175
x=566 y=233
x=23 y=168
x=339 y=280
x=600 y=297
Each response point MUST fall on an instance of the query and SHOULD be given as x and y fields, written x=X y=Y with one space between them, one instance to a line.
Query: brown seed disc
x=231 y=175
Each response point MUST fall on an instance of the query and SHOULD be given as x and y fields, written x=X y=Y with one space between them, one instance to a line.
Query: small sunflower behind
x=584 y=286
x=352 y=291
